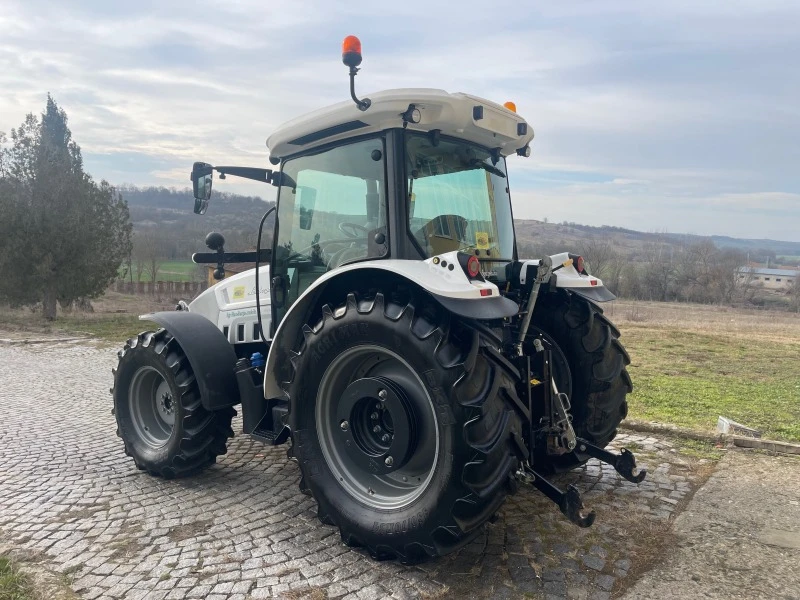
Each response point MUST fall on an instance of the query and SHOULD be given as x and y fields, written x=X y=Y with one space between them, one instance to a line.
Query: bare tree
x=794 y=294
x=605 y=260
x=148 y=255
x=659 y=273
x=139 y=256
x=618 y=265
x=597 y=253
x=705 y=273
x=153 y=267
x=724 y=274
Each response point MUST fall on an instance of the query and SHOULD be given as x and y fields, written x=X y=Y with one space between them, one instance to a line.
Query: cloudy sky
x=678 y=116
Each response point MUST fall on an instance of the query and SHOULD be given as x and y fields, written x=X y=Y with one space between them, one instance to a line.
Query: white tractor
x=419 y=368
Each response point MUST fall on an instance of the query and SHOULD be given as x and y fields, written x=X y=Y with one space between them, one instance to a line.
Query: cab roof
x=458 y=115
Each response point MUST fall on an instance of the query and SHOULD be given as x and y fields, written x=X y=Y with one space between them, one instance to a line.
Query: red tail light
x=577 y=262
x=473 y=267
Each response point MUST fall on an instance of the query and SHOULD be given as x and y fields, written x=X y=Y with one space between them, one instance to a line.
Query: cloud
x=679 y=115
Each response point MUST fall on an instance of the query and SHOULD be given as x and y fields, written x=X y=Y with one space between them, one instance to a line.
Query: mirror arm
x=264 y=175
x=276 y=178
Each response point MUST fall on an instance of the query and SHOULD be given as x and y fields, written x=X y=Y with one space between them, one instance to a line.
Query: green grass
x=13 y=584
x=170 y=270
x=111 y=327
x=699 y=449
x=690 y=378
x=114 y=328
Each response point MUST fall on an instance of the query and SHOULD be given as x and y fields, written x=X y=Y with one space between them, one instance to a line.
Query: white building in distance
x=771 y=279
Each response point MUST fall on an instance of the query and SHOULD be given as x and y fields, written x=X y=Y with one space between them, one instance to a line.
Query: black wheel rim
x=377 y=427
x=152 y=407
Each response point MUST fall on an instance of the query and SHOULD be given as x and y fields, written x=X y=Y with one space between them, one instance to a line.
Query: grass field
x=171 y=270
x=689 y=363
x=115 y=319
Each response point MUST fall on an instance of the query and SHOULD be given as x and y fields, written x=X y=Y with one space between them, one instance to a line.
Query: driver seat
x=445 y=233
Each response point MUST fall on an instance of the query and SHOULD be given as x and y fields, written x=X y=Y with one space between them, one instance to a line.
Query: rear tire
x=596 y=378
x=160 y=418
x=455 y=393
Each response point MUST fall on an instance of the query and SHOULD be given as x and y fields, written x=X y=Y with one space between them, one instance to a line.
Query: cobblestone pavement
x=243 y=530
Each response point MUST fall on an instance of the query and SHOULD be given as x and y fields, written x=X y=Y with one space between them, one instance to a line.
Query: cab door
x=331 y=212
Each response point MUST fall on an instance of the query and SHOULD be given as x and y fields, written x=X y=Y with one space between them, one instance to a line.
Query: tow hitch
x=624 y=462
x=569 y=503
x=551 y=424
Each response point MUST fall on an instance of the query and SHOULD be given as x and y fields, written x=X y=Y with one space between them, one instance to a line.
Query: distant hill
x=559 y=237
x=168 y=213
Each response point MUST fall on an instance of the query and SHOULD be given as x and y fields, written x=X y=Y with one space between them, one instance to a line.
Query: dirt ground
x=739 y=537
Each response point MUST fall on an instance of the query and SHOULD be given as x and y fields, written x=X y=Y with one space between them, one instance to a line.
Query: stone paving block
x=605 y=582
x=594 y=562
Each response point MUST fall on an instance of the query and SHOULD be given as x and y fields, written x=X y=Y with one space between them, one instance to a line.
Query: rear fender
x=568 y=278
x=210 y=355
x=448 y=286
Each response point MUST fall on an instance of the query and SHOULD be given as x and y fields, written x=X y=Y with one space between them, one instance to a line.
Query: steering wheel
x=353 y=228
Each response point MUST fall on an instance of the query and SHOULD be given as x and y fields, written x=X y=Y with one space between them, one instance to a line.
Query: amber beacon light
x=351 y=51
x=351 y=57
x=511 y=106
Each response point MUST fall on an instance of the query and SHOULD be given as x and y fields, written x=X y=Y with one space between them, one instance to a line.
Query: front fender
x=450 y=287
x=210 y=355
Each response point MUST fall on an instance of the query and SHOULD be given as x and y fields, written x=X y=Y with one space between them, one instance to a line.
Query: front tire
x=375 y=380
x=160 y=418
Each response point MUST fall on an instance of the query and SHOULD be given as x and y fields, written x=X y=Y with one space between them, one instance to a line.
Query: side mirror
x=201 y=183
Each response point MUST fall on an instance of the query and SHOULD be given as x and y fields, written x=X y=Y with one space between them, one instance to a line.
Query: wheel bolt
x=374 y=416
x=344 y=425
x=382 y=394
x=377 y=429
x=385 y=437
x=389 y=461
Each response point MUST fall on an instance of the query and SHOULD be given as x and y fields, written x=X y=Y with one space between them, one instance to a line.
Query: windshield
x=458 y=199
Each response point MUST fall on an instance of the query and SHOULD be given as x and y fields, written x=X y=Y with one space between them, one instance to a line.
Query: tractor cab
x=407 y=174
x=420 y=173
